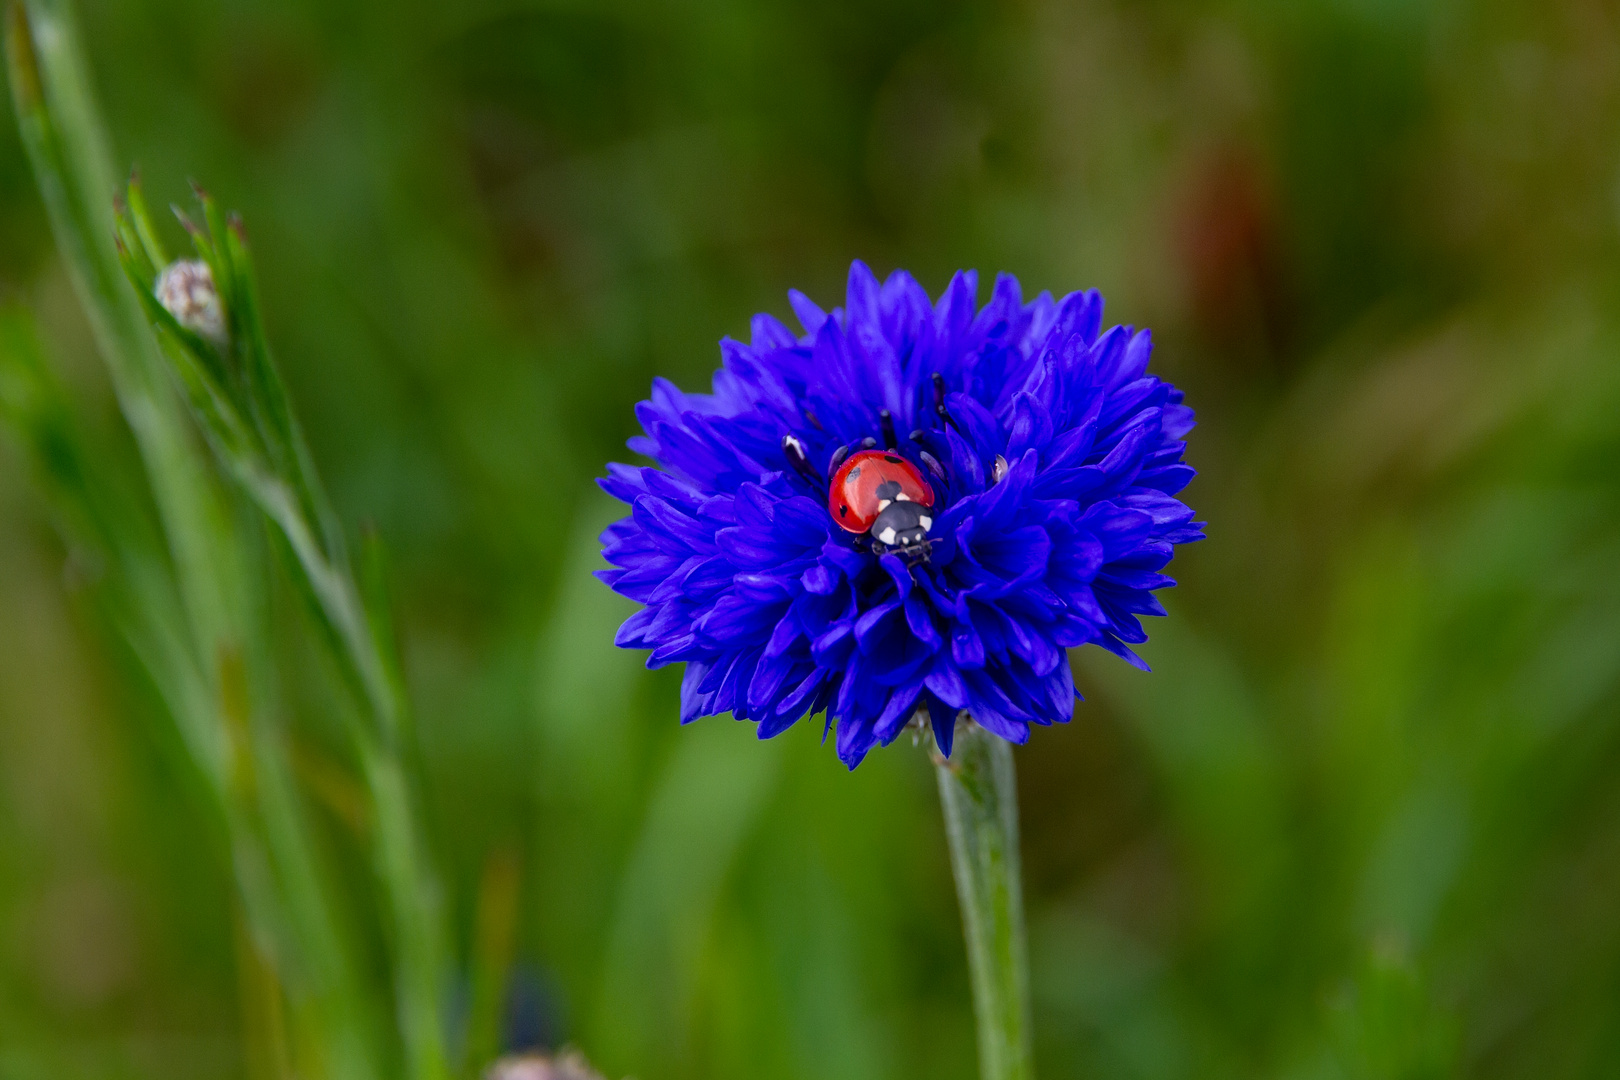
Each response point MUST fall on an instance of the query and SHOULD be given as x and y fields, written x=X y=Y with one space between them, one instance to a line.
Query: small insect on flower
x=881 y=493
x=186 y=290
x=800 y=555
x=876 y=492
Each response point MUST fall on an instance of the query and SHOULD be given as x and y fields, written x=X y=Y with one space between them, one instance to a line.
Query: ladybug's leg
x=916 y=554
x=793 y=450
x=886 y=422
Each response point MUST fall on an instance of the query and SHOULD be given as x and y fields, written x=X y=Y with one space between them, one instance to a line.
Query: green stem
x=410 y=895
x=198 y=657
x=979 y=794
x=403 y=865
x=68 y=148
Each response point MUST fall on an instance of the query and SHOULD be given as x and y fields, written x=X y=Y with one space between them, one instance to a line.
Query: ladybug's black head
x=903 y=525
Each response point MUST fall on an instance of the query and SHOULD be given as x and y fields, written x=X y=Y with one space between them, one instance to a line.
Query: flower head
x=1050 y=463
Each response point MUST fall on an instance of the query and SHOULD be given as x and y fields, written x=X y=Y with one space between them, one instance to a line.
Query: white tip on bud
x=186 y=291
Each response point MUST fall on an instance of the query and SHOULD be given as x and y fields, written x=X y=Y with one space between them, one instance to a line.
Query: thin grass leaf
x=189 y=655
x=141 y=217
x=243 y=409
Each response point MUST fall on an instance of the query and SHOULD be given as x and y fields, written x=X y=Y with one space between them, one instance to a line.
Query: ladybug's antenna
x=886 y=422
x=939 y=404
x=793 y=450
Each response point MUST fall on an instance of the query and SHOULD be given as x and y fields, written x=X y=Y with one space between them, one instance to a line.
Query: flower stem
x=979 y=794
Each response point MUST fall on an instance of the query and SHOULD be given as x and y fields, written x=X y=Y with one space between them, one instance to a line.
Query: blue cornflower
x=1052 y=461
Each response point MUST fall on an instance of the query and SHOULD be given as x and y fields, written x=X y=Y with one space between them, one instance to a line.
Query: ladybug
x=880 y=493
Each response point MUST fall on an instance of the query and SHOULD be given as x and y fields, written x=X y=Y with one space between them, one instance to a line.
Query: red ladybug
x=881 y=493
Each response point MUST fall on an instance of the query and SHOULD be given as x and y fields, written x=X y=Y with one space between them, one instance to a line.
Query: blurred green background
x=1363 y=820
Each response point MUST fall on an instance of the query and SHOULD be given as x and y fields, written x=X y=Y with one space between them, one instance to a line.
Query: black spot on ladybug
x=889 y=489
x=843 y=511
x=855 y=473
x=892 y=460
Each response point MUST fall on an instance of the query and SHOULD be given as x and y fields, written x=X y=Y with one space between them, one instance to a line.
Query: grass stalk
x=186 y=613
x=242 y=407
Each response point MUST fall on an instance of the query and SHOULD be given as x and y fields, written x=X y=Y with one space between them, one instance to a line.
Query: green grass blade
x=185 y=657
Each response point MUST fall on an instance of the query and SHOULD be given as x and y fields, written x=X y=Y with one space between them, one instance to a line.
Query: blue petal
x=810 y=316
x=943 y=719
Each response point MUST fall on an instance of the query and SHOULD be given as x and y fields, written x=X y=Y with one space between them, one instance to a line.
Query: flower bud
x=568 y=1066
x=186 y=290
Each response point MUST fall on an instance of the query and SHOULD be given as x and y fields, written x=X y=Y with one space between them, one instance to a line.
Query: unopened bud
x=186 y=291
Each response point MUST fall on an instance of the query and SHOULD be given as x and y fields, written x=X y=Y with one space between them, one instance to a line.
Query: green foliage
x=195 y=637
